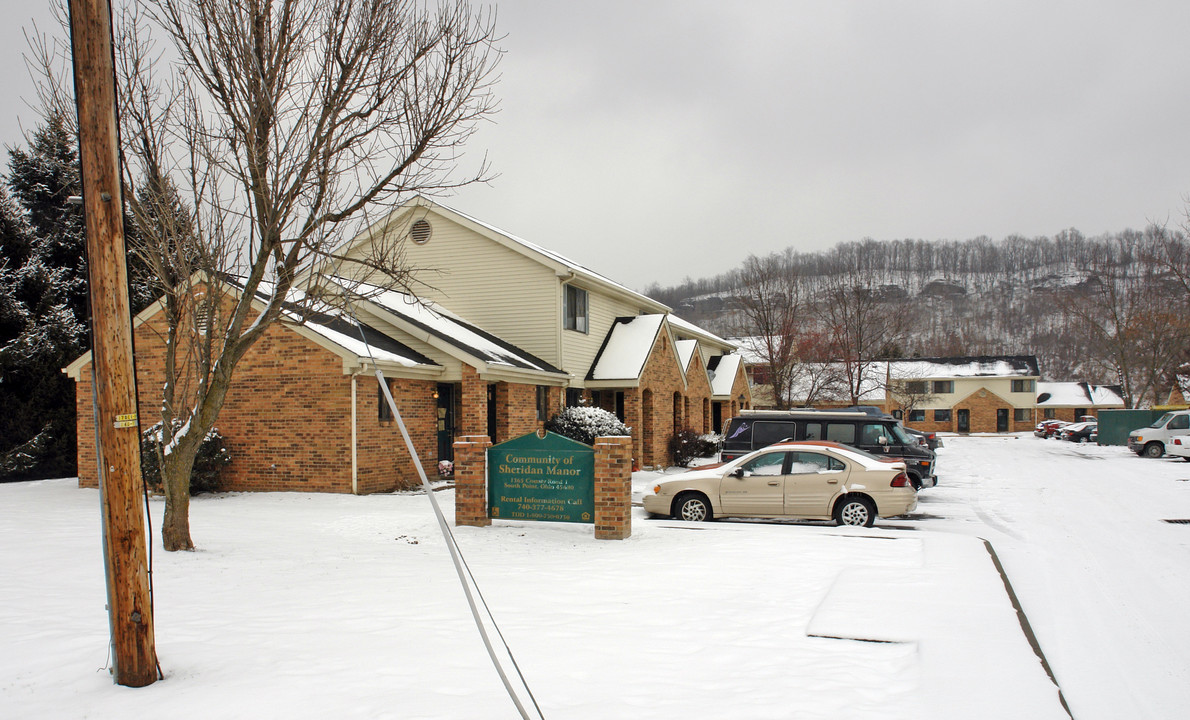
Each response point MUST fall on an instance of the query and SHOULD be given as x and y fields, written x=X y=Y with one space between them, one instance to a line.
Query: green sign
x=542 y=478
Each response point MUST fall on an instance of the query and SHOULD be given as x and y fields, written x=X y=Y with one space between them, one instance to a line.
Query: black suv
x=880 y=435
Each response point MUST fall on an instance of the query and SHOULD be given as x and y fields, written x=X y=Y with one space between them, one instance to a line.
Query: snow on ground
x=1102 y=578
x=314 y=606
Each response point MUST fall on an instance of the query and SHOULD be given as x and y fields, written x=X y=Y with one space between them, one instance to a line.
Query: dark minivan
x=881 y=435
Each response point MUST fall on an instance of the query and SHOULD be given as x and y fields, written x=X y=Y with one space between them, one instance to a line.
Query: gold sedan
x=808 y=480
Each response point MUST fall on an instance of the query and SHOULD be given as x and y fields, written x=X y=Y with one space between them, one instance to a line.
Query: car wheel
x=693 y=507
x=856 y=510
x=1154 y=450
x=915 y=481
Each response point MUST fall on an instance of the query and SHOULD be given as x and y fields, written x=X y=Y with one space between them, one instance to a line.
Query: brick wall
x=661 y=377
x=471 y=492
x=613 y=488
x=384 y=463
x=473 y=397
x=287 y=418
x=698 y=396
x=982 y=405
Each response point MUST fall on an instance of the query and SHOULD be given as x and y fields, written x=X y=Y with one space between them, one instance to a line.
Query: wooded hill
x=1046 y=296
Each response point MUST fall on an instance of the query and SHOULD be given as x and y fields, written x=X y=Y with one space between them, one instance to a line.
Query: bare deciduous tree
x=906 y=390
x=1135 y=326
x=769 y=296
x=260 y=140
x=863 y=327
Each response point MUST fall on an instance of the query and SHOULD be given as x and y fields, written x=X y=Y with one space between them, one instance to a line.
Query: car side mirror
x=883 y=440
x=738 y=472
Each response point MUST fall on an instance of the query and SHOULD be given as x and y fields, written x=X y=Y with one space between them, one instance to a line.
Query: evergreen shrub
x=584 y=424
x=686 y=445
x=212 y=457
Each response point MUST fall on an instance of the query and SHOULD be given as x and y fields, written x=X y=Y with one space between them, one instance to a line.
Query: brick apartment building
x=976 y=394
x=506 y=335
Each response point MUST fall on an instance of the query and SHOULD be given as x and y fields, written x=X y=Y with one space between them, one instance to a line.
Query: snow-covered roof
x=961 y=367
x=686 y=350
x=626 y=348
x=685 y=327
x=1078 y=394
x=723 y=370
x=454 y=330
x=749 y=347
x=345 y=332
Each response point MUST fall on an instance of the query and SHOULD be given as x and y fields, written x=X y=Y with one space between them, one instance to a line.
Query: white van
x=1151 y=441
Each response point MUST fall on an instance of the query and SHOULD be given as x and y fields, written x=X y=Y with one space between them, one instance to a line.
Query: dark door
x=717 y=417
x=1002 y=420
x=964 y=421
x=620 y=406
x=446 y=421
x=492 y=413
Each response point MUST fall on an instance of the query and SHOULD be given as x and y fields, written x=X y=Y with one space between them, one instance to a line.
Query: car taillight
x=901 y=480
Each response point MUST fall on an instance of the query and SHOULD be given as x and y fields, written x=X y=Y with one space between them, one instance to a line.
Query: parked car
x=815 y=480
x=1054 y=427
x=929 y=439
x=1151 y=441
x=881 y=435
x=1046 y=428
x=1079 y=432
x=1180 y=447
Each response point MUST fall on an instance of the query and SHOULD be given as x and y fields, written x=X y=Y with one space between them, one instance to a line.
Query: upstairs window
x=574 y=309
x=943 y=386
x=915 y=387
x=1022 y=386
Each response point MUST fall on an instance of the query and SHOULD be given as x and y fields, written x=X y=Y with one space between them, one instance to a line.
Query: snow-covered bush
x=446 y=468
x=212 y=457
x=686 y=445
x=586 y=423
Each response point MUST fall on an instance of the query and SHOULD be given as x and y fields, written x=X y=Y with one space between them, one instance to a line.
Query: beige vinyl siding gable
x=965 y=386
x=485 y=283
x=579 y=349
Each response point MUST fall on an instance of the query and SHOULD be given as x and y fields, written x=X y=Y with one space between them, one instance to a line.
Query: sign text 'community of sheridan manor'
x=542 y=478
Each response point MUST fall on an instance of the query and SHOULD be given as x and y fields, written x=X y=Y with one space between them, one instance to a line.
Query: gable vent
x=420 y=232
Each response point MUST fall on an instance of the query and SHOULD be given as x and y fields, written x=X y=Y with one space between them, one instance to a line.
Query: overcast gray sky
x=653 y=140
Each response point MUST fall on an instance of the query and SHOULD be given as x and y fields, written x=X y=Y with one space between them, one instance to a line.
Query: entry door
x=492 y=413
x=964 y=417
x=1002 y=420
x=446 y=421
x=760 y=491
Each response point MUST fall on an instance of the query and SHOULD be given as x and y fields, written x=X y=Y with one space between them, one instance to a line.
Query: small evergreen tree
x=43 y=304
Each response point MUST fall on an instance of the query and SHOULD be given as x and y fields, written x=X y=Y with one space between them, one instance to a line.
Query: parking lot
x=1082 y=533
x=317 y=605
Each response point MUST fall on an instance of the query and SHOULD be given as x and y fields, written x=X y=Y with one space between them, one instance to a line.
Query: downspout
x=354 y=432
x=561 y=308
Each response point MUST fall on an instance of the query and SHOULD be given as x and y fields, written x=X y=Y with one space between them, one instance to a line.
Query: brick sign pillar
x=613 y=488
x=471 y=493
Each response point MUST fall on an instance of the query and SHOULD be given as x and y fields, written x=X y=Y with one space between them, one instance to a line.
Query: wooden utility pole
x=130 y=611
